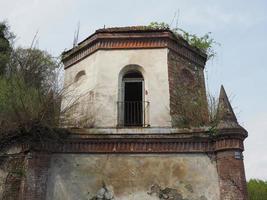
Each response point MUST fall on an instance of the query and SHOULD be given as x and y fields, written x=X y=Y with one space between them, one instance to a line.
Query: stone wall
x=136 y=176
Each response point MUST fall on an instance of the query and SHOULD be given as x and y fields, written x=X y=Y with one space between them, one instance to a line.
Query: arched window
x=79 y=75
x=133 y=98
x=133 y=75
x=133 y=109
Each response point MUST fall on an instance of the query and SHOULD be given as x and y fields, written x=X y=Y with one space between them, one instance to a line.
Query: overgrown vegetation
x=191 y=107
x=195 y=109
x=204 y=43
x=6 y=40
x=29 y=94
x=257 y=189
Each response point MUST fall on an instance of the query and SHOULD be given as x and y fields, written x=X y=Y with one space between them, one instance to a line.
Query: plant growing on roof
x=204 y=43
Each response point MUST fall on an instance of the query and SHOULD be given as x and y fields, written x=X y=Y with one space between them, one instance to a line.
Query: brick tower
x=229 y=148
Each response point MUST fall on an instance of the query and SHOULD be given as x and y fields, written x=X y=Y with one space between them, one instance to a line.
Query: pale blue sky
x=240 y=26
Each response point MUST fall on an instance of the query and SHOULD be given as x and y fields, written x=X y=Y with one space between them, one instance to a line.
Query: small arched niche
x=79 y=76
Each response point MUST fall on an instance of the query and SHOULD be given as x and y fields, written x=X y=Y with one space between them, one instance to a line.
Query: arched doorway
x=132 y=99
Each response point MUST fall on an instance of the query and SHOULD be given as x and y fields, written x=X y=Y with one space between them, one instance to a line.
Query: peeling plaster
x=124 y=177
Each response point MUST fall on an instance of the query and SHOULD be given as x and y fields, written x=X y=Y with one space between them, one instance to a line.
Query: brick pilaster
x=36 y=168
x=13 y=165
x=231 y=174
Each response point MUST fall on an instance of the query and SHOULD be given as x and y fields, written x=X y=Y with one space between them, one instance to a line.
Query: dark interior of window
x=133 y=99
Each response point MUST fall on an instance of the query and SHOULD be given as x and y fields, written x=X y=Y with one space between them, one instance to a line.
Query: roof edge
x=155 y=38
x=137 y=29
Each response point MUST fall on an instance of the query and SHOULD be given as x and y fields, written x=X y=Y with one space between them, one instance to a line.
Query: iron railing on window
x=133 y=113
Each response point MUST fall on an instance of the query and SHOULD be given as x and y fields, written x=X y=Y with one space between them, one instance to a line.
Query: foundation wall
x=135 y=176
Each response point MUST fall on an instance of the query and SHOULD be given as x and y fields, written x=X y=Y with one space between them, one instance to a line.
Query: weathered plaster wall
x=135 y=177
x=102 y=79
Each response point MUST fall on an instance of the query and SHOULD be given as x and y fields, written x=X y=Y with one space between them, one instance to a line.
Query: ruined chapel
x=139 y=125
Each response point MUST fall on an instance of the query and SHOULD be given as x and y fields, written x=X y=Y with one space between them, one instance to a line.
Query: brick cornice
x=136 y=143
x=132 y=40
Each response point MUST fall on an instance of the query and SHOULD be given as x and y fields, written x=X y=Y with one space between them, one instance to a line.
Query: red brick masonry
x=33 y=186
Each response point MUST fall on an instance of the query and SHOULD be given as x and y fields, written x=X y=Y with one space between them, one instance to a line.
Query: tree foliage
x=29 y=96
x=6 y=38
x=36 y=67
x=257 y=189
x=204 y=43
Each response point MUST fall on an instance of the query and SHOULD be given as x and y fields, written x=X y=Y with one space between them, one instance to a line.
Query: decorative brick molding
x=136 y=143
x=129 y=146
x=225 y=144
x=146 y=39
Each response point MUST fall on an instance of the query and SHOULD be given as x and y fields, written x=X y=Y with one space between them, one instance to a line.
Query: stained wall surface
x=132 y=177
